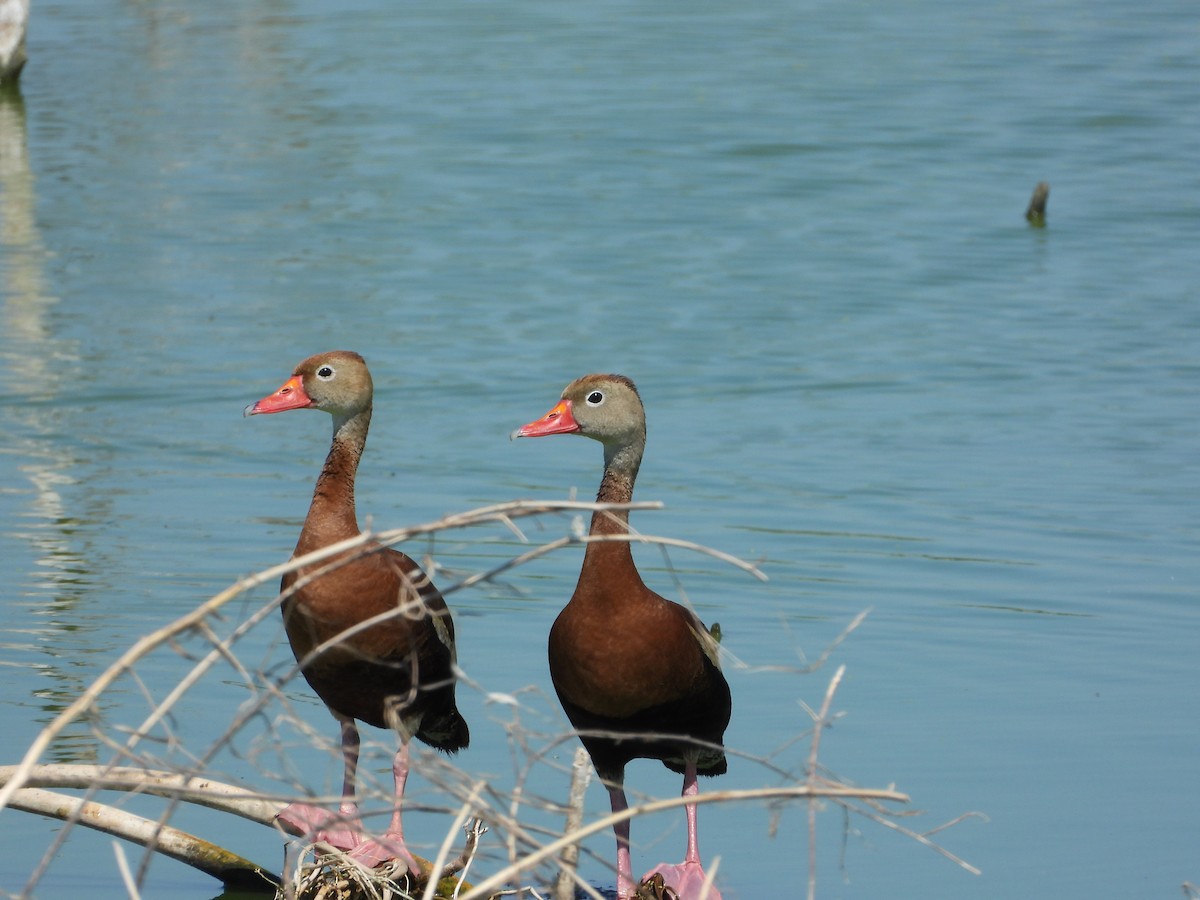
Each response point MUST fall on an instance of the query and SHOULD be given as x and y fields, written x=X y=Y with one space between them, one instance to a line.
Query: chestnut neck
x=331 y=515
x=611 y=562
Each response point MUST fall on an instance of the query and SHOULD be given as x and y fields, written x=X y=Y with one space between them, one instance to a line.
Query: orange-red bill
x=290 y=396
x=558 y=421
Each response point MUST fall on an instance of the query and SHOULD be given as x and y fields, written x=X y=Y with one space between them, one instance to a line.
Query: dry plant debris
x=150 y=756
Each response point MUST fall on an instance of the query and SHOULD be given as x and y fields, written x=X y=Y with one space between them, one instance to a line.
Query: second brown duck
x=637 y=675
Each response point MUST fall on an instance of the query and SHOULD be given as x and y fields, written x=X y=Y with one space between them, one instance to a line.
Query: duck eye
x=595 y=398
x=325 y=373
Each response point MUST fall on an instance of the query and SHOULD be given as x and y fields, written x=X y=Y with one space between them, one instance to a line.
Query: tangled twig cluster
x=151 y=758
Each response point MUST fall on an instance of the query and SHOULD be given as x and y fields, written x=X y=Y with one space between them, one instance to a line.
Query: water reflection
x=37 y=364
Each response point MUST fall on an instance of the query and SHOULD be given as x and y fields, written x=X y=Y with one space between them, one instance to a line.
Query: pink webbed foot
x=316 y=823
x=341 y=830
x=372 y=852
x=687 y=879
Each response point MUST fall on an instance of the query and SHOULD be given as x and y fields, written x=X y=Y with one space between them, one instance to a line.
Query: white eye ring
x=326 y=372
x=595 y=398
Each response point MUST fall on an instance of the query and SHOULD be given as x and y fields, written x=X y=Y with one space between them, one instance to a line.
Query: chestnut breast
x=355 y=676
x=616 y=663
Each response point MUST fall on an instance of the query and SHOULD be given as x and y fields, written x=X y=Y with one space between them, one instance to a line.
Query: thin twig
x=918 y=837
x=475 y=829
x=819 y=723
x=126 y=875
x=436 y=872
x=581 y=774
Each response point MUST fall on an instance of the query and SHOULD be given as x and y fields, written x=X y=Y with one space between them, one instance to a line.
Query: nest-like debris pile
x=335 y=876
x=332 y=875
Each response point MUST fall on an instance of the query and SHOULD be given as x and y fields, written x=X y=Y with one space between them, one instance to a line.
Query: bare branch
x=230 y=868
x=156 y=760
x=187 y=788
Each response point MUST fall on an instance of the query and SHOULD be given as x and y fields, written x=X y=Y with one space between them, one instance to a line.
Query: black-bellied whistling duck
x=397 y=673
x=637 y=675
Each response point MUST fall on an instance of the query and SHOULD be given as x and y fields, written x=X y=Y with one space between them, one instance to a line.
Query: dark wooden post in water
x=1036 y=213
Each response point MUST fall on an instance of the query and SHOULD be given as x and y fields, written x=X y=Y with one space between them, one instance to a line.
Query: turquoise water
x=799 y=228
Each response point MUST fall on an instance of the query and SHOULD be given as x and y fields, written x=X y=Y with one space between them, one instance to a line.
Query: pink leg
x=690 y=789
x=373 y=851
x=342 y=829
x=687 y=877
x=625 y=885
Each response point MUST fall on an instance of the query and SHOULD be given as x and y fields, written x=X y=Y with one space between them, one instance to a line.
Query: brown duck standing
x=637 y=675
x=395 y=673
